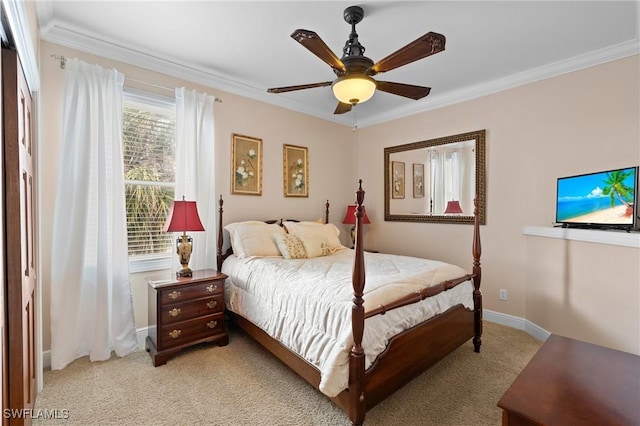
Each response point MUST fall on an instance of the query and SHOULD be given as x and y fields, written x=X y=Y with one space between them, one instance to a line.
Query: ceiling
x=245 y=47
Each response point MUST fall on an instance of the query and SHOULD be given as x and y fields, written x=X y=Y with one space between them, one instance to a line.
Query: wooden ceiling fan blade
x=401 y=89
x=342 y=108
x=427 y=45
x=315 y=45
x=298 y=87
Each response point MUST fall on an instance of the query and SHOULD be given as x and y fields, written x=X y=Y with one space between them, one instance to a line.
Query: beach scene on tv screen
x=598 y=198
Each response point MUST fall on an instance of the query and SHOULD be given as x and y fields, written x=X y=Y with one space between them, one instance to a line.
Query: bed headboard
x=222 y=256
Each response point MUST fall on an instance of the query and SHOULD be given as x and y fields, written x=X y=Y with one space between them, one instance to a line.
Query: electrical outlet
x=503 y=294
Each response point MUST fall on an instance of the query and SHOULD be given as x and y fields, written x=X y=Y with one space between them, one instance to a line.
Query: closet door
x=19 y=235
x=4 y=370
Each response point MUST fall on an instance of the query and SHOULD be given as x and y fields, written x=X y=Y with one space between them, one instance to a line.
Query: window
x=452 y=176
x=148 y=137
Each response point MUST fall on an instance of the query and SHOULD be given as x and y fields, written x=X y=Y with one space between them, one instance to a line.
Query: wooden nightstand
x=184 y=312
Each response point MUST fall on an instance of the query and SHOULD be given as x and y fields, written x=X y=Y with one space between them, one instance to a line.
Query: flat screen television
x=601 y=200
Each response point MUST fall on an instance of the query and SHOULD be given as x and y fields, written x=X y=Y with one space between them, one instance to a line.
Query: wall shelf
x=616 y=238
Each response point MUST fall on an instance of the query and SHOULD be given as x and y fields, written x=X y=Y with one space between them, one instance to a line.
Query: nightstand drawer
x=191 y=292
x=177 y=312
x=184 y=312
x=192 y=330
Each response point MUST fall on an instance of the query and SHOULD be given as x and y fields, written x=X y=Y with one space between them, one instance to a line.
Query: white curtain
x=438 y=196
x=447 y=172
x=456 y=175
x=91 y=306
x=195 y=171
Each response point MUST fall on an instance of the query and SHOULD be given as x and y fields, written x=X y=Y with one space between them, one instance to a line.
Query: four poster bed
x=311 y=313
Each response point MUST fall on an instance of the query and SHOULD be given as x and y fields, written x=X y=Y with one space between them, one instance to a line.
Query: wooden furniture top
x=569 y=382
x=200 y=275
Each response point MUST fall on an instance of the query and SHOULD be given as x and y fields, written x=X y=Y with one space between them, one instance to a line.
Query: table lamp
x=183 y=217
x=350 y=219
x=453 y=207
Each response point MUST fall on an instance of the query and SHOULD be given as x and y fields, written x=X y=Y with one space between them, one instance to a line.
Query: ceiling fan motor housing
x=355 y=65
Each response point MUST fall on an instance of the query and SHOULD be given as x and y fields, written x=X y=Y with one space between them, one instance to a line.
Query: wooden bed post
x=220 y=239
x=408 y=353
x=477 y=295
x=357 y=406
x=326 y=213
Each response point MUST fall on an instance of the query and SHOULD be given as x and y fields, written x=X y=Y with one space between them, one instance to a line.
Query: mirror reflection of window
x=433 y=161
x=453 y=172
x=448 y=171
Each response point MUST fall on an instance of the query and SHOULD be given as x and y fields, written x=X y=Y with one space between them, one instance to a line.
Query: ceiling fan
x=354 y=70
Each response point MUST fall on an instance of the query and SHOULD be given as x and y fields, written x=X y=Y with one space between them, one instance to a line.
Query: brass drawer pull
x=212 y=304
x=212 y=288
x=174 y=312
x=174 y=295
x=212 y=324
x=175 y=334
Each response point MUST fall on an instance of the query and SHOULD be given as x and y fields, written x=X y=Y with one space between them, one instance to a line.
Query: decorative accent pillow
x=315 y=246
x=315 y=229
x=290 y=246
x=253 y=238
x=284 y=222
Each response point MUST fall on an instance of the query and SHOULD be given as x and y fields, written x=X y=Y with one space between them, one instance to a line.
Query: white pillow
x=314 y=229
x=253 y=238
x=290 y=246
x=315 y=246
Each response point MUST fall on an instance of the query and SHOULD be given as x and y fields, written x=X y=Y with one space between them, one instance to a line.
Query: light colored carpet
x=243 y=384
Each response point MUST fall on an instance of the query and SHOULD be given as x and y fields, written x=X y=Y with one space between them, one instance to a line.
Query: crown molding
x=93 y=44
x=56 y=32
x=18 y=20
x=576 y=63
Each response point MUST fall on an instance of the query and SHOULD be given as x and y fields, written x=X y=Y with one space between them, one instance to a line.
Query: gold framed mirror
x=440 y=181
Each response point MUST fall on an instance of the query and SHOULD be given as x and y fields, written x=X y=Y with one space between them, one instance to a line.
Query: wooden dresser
x=569 y=382
x=184 y=312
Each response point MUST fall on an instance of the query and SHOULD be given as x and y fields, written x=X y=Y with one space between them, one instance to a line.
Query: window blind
x=148 y=136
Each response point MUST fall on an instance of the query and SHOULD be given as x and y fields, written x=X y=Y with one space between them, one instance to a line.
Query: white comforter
x=306 y=303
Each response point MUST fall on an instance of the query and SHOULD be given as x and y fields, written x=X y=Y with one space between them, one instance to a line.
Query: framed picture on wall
x=397 y=179
x=246 y=165
x=296 y=171
x=418 y=180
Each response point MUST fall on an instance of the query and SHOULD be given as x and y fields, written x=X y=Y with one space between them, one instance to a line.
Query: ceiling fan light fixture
x=354 y=89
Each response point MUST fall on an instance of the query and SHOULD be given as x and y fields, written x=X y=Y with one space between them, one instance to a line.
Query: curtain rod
x=63 y=63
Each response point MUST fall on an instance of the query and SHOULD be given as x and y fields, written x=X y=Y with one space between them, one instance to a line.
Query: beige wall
x=575 y=123
x=588 y=291
x=571 y=124
x=30 y=8
x=331 y=150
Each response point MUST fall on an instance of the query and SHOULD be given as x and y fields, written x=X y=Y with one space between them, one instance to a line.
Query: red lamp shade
x=350 y=217
x=453 y=207
x=183 y=217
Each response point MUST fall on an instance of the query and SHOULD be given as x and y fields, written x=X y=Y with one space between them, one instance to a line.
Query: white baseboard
x=141 y=334
x=536 y=331
x=46 y=359
x=492 y=316
x=516 y=322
